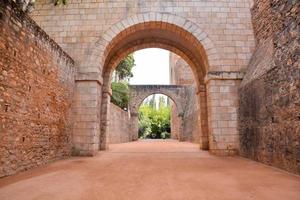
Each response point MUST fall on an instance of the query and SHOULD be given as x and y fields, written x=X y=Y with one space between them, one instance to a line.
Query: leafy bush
x=120 y=94
x=165 y=135
x=154 y=123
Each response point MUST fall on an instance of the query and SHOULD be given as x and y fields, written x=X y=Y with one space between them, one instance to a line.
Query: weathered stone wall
x=181 y=74
x=36 y=88
x=191 y=126
x=175 y=122
x=270 y=92
x=180 y=71
x=119 y=125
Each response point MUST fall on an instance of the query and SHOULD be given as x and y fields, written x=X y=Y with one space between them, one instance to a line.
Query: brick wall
x=36 y=88
x=119 y=125
x=270 y=92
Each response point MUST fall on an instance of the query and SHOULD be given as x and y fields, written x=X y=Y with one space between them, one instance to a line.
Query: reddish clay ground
x=152 y=170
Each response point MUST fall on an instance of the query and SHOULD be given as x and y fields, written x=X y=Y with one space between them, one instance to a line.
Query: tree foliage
x=120 y=94
x=154 y=123
x=120 y=89
x=124 y=69
x=59 y=2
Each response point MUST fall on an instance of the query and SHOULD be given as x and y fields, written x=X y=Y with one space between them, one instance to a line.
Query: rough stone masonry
x=36 y=90
x=270 y=92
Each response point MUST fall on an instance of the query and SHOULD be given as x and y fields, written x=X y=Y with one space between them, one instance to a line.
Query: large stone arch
x=167 y=31
x=180 y=36
x=98 y=52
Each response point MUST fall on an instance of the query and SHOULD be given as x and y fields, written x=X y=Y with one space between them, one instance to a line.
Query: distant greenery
x=119 y=86
x=120 y=94
x=58 y=2
x=154 y=122
x=123 y=71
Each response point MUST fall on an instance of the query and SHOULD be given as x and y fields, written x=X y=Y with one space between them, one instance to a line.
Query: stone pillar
x=103 y=140
x=86 y=113
x=202 y=118
x=180 y=127
x=134 y=126
x=222 y=104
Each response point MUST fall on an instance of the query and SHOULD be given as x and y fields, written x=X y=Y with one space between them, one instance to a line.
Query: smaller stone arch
x=138 y=93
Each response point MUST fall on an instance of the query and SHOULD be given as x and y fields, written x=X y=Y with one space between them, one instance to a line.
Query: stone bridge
x=138 y=93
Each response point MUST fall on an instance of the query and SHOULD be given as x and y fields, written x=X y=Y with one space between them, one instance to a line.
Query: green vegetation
x=120 y=94
x=119 y=86
x=58 y=2
x=154 y=122
x=123 y=71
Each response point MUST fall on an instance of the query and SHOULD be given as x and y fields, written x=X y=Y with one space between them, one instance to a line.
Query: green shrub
x=154 y=123
x=120 y=94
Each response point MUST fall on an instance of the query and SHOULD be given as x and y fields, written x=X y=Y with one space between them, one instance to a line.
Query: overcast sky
x=152 y=67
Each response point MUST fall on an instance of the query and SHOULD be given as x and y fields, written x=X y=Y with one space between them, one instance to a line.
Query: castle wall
x=269 y=95
x=36 y=91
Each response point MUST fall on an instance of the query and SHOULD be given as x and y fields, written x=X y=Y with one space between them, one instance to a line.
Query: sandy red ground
x=152 y=170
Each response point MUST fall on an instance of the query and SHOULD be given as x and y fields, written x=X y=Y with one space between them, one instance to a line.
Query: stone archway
x=179 y=36
x=169 y=32
x=138 y=93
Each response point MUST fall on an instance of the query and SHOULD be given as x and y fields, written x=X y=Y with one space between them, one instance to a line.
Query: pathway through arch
x=152 y=169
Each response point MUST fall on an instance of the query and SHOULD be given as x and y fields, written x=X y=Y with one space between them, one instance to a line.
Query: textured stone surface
x=78 y=25
x=209 y=35
x=270 y=92
x=36 y=90
x=119 y=130
x=181 y=74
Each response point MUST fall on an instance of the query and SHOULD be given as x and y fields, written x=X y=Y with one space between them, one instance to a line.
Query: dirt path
x=152 y=170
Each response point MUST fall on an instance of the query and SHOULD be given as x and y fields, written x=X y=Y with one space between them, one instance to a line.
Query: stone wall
x=181 y=74
x=191 y=126
x=270 y=92
x=36 y=89
x=212 y=36
x=119 y=125
x=78 y=25
x=180 y=71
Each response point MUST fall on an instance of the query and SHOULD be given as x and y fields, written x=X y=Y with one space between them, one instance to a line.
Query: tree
x=161 y=101
x=28 y=5
x=58 y=2
x=119 y=86
x=120 y=94
x=154 y=123
x=152 y=102
x=123 y=71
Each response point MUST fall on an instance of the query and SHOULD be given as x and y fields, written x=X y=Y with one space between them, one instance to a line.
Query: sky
x=152 y=67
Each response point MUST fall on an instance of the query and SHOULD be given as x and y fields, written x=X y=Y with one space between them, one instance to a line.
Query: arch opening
x=149 y=35
x=154 y=117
